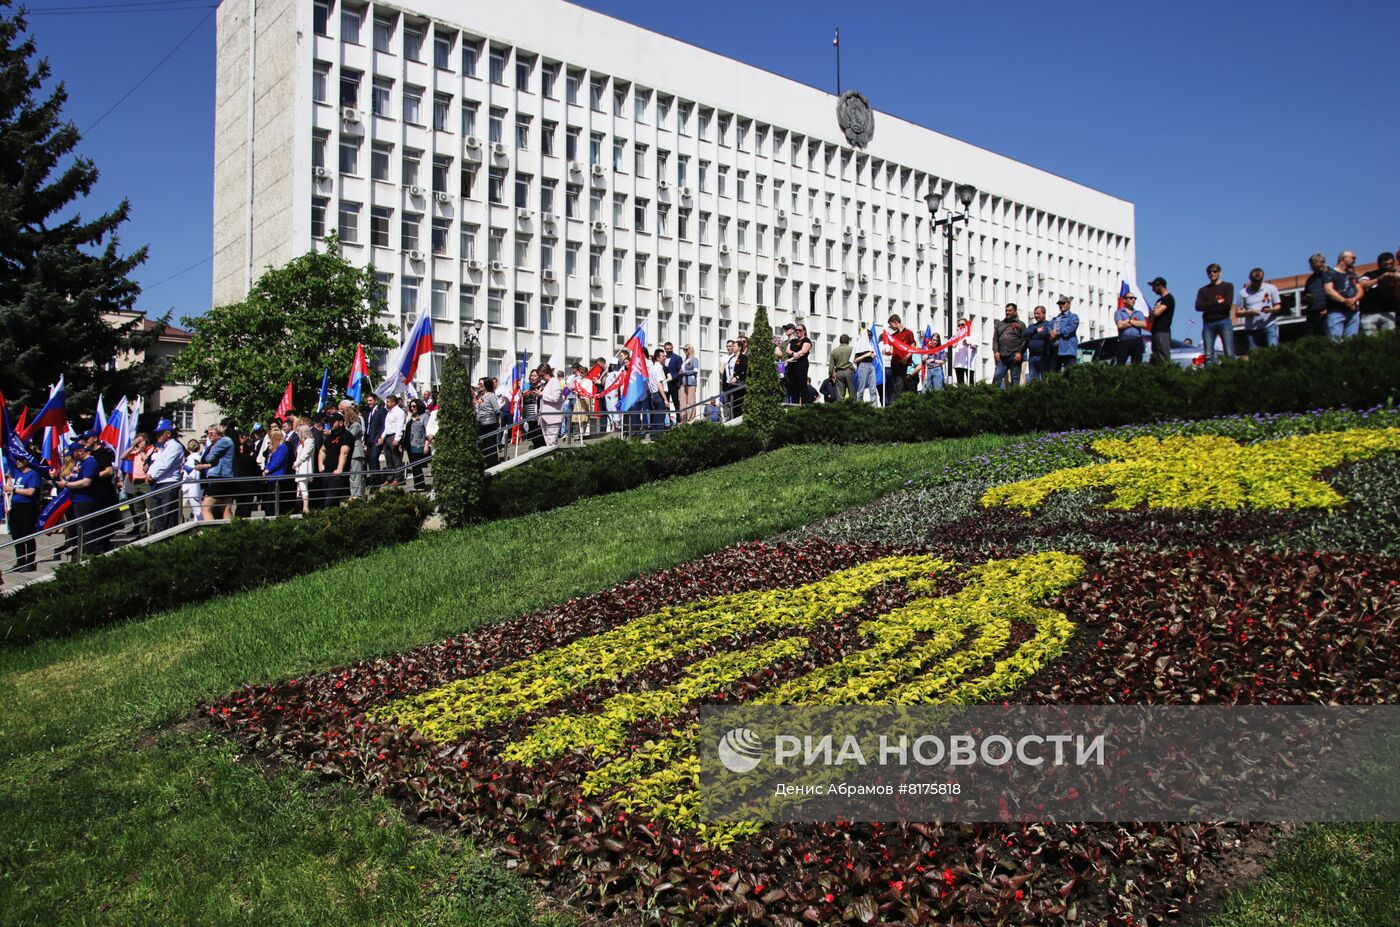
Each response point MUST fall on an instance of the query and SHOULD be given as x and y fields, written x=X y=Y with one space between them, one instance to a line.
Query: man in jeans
x=1008 y=347
x=391 y=441
x=163 y=474
x=1037 y=346
x=1162 y=314
x=1258 y=303
x=1215 y=302
x=1343 y=296
x=843 y=368
x=1131 y=324
x=1064 y=333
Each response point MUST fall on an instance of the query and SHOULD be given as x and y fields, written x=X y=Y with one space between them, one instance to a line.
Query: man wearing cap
x=163 y=474
x=83 y=486
x=1215 y=302
x=1162 y=313
x=1064 y=336
x=1131 y=326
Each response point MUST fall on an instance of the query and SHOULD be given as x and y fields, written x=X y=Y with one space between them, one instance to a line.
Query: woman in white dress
x=305 y=449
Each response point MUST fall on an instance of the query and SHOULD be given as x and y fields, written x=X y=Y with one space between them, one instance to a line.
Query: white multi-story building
x=565 y=177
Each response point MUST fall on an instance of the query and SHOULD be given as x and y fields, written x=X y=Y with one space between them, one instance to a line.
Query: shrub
x=762 y=396
x=137 y=581
x=458 y=480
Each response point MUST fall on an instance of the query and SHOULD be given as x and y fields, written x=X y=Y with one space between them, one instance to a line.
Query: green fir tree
x=458 y=477
x=762 y=396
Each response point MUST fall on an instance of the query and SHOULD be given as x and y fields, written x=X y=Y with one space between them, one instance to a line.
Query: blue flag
x=325 y=390
x=879 y=357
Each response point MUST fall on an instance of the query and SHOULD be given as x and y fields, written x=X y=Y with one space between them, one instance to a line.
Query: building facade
x=565 y=177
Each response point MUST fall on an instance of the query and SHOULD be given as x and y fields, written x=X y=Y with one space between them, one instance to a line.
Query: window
x=639 y=270
x=466 y=304
x=408 y=231
x=380 y=95
x=571 y=85
x=320 y=83
x=470 y=52
x=546 y=254
x=469 y=233
x=547 y=188
x=704 y=228
x=682 y=170
x=410 y=168
x=349 y=88
x=522 y=310
x=683 y=118
x=522 y=132
x=379 y=158
x=760 y=238
x=442 y=168
x=498 y=67
x=742 y=240
x=571 y=193
x=639 y=160
x=683 y=224
x=382 y=34
x=522 y=252
x=704 y=176
x=496 y=125
x=571 y=259
x=663 y=159
x=663 y=219
x=468 y=118
x=595 y=205
x=571 y=144
x=547 y=138
x=741 y=182
x=349 y=155
x=351 y=20
x=319 y=141
x=639 y=215
x=441 y=293
x=596 y=89
x=663 y=111
x=523 y=68
x=379 y=219
x=319 y=204
x=546 y=315
x=349 y=222
x=320 y=18
x=640 y=99
x=723 y=180
x=742 y=140
x=442 y=106
x=571 y=317
x=522 y=191
x=724 y=131
x=408 y=297
x=413 y=105
x=620 y=100
x=619 y=211
x=595 y=261
x=595 y=321
x=442 y=51
x=619 y=261
x=595 y=148
x=495 y=186
x=495 y=246
x=495 y=299
x=619 y=153
x=413 y=43
x=468 y=176
x=549 y=74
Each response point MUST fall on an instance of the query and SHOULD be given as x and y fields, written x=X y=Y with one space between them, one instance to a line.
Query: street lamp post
x=470 y=339
x=966 y=192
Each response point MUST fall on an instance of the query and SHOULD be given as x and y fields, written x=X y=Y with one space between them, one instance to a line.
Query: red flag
x=285 y=405
x=23 y=417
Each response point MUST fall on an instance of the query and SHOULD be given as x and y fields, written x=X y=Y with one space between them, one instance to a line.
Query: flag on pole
x=56 y=510
x=879 y=356
x=285 y=405
x=12 y=446
x=418 y=342
x=52 y=415
x=100 y=420
x=635 y=389
x=359 y=375
x=325 y=395
x=21 y=425
x=1127 y=288
x=109 y=428
x=518 y=376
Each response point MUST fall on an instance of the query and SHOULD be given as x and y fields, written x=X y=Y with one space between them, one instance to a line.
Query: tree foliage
x=62 y=277
x=762 y=397
x=298 y=320
x=458 y=465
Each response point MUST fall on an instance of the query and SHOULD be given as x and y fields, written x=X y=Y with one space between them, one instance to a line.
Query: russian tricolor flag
x=635 y=389
x=875 y=341
x=52 y=415
x=418 y=343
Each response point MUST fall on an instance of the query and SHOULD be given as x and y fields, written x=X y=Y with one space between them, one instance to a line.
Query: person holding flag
x=53 y=415
x=870 y=366
x=935 y=377
x=25 y=488
x=901 y=341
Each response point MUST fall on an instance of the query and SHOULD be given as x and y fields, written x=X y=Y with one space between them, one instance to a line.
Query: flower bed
x=566 y=738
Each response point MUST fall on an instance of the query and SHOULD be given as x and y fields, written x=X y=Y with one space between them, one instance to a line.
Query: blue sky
x=1245 y=133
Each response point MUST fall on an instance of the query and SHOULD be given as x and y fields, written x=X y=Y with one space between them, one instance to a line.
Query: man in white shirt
x=392 y=440
x=1258 y=304
x=656 y=390
x=164 y=473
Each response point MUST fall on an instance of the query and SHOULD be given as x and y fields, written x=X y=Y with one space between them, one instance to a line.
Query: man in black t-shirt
x=1161 y=319
x=799 y=350
x=335 y=460
x=1381 y=290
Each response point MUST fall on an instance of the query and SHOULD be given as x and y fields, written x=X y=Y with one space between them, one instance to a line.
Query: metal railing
x=152 y=510
x=572 y=426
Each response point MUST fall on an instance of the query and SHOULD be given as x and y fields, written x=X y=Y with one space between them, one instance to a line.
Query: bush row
x=137 y=581
x=1296 y=377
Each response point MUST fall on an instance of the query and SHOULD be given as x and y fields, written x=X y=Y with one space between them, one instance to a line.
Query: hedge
x=134 y=582
x=1307 y=374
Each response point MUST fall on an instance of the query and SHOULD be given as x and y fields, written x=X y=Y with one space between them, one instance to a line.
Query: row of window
x=669 y=113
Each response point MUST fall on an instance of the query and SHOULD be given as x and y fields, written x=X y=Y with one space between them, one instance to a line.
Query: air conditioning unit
x=816 y=225
x=597 y=170
x=415 y=190
x=320 y=173
x=414 y=256
x=442 y=197
x=599 y=227
x=919 y=247
x=667 y=293
x=782 y=217
x=547 y=219
x=475 y=266
x=685 y=193
x=971 y=261
x=890 y=241
x=704 y=294
x=575 y=167
x=595 y=282
x=662 y=185
x=847 y=231
x=472 y=142
x=723 y=249
x=1030 y=279
x=547 y=275
x=724 y=302
x=864 y=279
x=350 y=114
x=688 y=297
x=497 y=267
x=861 y=234
x=1040 y=278
x=499 y=149
x=523 y=214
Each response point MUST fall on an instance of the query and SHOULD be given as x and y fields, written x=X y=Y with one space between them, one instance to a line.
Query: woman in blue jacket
x=216 y=464
x=279 y=472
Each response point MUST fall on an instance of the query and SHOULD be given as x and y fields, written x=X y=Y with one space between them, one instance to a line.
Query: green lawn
x=109 y=816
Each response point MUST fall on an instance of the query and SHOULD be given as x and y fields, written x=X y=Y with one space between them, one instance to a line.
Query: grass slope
x=104 y=818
